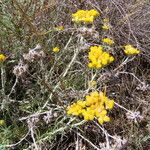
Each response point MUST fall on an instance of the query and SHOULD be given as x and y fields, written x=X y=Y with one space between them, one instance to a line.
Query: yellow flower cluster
x=86 y=16
x=108 y=41
x=56 y=49
x=130 y=50
x=2 y=57
x=98 y=57
x=95 y=105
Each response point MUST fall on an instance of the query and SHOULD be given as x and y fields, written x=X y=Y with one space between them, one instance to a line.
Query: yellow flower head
x=95 y=105
x=2 y=122
x=98 y=58
x=59 y=28
x=86 y=16
x=105 y=27
x=56 y=49
x=2 y=57
x=130 y=50
x=106 y=20
x=92 y=83
x=108 y=41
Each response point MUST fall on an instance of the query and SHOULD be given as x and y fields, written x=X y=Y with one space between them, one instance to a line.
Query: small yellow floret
x=81 y=103
x=2 y=122
x=56 y=49
x=88 y=116
x=2 y=57
x=109 y=104
x=130 y=50
x=108 y=41
x=100 y=120
x=106 y=118
x=106 y=20
x=92 y=83
x=105 y=27
x=59 y=28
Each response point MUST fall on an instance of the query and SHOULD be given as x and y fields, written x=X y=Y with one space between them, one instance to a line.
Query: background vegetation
x=33 y=105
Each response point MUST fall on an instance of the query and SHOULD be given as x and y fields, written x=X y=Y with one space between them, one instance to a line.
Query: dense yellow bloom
x=108 y=41
x=95 y=105
x=86 y=16
x=2 y=57
x=98 y=57
x=56 y=49
x=130 y=50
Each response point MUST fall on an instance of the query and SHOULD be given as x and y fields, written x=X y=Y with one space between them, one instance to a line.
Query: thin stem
x=3 y=81
x=123 y=107
x=76 y=52
x=13 y=88
x=94 y=146
x=32 y=135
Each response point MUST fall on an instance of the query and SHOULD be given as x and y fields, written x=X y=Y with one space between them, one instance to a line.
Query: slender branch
x=94 y=146
x=3 y=80
x=33 y=138
x=63 y=75
x=13 y=88
x=12 y=145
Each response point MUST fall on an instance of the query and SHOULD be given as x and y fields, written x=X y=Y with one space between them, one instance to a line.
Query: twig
x=13 y=88
x=33 y=115
x=123 y=108
x=131 y=74
x=93 y=77
x=3 y=80
x=105 y=132
x=94 y=146
x=32 y=135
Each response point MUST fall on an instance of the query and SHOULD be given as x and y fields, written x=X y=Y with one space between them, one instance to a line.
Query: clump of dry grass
x=37 y=84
